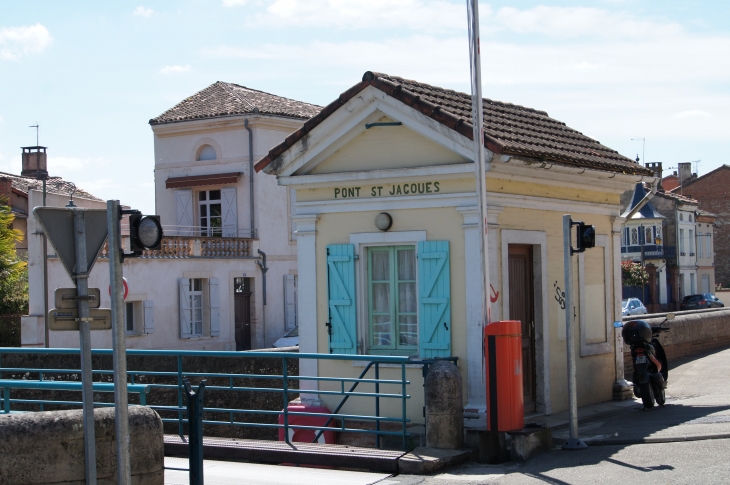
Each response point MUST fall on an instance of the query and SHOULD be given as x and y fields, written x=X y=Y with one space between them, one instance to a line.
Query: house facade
x=225 y=277
x=388 y=238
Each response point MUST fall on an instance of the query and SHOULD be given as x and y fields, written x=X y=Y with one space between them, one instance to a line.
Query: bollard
x=195 y=431
x=444 y=406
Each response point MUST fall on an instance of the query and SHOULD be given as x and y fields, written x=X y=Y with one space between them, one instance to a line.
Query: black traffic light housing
x=145 y=232
x=585 y=237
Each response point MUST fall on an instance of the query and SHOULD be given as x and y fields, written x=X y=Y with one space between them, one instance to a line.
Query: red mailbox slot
x=307 y=435
x=503 y=360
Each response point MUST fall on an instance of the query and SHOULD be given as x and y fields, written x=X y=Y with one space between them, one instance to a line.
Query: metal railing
x=287 y=386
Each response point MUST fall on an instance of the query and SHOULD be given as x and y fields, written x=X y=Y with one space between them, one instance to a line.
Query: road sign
x=65 y=298
x=68 y=319
x=58 y=224
x=126 y=288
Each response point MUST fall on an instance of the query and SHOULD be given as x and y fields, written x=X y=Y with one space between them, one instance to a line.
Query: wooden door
x=522 y=308
x=242 y=312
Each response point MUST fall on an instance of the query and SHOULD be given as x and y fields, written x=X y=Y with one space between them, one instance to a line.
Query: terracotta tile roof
x=228 y=99
x=679 y=198
x=509 y=129
x=53 y=186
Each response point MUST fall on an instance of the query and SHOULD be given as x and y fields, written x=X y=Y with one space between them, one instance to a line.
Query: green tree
x=13 y=271
x=632 y=274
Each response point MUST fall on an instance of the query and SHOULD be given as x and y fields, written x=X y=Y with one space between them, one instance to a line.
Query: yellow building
x=403 y=148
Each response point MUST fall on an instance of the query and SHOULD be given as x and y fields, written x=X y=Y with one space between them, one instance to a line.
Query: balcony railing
x=181 y=247
x=651 y=251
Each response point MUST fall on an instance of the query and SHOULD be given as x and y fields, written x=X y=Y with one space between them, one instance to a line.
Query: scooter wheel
x=647 y=395
x=660 y=395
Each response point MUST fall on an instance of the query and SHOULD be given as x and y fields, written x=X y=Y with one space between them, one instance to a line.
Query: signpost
x=77 y=236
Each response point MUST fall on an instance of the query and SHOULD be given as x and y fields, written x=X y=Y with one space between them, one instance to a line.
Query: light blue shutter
x=214 y=296
x=434 y=299
x=341 y=295
x=184 y=286
x=149 y=316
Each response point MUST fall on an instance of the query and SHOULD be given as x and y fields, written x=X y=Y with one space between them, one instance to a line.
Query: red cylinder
x=307 y=435
x=503 y=362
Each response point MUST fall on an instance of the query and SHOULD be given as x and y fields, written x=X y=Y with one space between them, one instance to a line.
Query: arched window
x=207 y=152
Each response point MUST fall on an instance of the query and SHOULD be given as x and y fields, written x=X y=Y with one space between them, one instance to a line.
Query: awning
x=198 y=180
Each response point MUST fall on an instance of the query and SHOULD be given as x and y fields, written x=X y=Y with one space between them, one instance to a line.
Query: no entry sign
x=126 y=288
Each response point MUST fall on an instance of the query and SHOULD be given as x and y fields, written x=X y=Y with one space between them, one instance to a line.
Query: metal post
x=574 y=443
x=124 y=469
x=82 y=292
x=195 y=431
x=377 y=405
x=44 y=241
x=285 y=387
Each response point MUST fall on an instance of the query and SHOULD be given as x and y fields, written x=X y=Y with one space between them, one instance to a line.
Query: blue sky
x=93 y=73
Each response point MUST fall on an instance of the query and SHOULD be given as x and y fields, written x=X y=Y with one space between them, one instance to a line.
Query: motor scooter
x=651 y=371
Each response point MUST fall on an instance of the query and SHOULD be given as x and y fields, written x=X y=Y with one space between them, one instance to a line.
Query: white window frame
x=362 y=241
x=599 y=347
x=207 y=231
x=691 y=242
x=193 y=293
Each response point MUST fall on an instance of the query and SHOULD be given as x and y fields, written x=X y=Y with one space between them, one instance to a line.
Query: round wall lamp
x=383 y=221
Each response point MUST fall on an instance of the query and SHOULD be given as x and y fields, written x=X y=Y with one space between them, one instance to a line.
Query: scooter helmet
x=636 y=331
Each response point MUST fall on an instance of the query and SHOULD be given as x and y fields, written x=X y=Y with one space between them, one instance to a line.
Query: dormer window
x=207 y=152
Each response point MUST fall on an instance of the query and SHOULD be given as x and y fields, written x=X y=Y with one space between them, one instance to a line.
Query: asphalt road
x=695 y=418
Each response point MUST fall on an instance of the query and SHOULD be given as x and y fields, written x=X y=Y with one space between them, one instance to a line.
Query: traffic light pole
x=87 y=390
x=124 y=469
x=573 y=443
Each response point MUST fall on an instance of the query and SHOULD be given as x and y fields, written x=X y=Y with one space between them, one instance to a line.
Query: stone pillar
x=444 y=407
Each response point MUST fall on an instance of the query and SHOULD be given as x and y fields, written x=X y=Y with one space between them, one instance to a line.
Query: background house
x=225 y=277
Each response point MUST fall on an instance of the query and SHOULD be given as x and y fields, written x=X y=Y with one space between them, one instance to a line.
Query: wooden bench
x=7 y=384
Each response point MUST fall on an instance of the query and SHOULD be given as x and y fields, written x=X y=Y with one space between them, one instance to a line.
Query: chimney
x=34 y=162
x=6 y=190
x=685 y=172
x=656 y=167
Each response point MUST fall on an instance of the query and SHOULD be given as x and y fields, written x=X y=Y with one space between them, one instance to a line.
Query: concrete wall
x=691 y=333
x=48 y=447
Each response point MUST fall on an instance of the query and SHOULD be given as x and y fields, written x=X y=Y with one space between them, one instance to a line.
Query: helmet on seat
x=637 y=331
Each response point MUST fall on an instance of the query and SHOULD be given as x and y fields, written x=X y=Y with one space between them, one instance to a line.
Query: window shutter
x=149 y=316
x=434 y=291
x=185 y=330
x=341 y=294
x=290 y=301
x=184 y=207
x=230 y=212
x=214 y=295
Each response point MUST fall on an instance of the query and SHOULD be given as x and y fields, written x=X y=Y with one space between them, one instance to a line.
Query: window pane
x=381 y=265
x=634 y=236
x=408 y=330
x=198 y=328
x=215 y=210
x=215 y=194
x=382 y=330
x=407 y=264
x=203 y=194
x=203 y=210
x=198 y=284
x=381 y=297
x=407 y=297
x=130 y=316
x=197 y=301
x=198 y=316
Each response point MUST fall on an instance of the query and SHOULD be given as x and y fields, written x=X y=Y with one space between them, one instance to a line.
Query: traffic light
x=586 y=236
x=145 y=232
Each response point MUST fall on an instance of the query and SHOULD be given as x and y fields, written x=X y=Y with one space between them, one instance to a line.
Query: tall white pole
x=574 y=443
x=480 y=167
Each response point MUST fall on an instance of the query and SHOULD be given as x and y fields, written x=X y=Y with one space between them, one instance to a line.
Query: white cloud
x=16 y=42
x=565 y=22
x=175 y=69
x=694 y=113
x=234 y=3
x=143 y=12
x=12 y=165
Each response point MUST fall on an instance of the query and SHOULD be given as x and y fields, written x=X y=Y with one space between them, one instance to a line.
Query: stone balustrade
x=178 y=247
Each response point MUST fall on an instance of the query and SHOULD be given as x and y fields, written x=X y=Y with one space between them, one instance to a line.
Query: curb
x=649 y=441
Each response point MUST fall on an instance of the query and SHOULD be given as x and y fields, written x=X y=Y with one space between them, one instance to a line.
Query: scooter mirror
x=618 y=324
x=670 y=316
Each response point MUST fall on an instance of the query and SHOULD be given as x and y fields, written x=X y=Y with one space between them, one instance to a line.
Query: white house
x=225 y=277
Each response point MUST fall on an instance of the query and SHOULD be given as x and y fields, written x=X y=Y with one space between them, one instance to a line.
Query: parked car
x=290 y=339
x=633 y=306
x=703 y=300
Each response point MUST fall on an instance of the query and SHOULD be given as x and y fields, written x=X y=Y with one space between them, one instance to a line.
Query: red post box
x=503 y=361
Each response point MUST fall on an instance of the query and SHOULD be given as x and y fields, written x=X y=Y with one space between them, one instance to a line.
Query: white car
x=633 y=306
x=290 y=339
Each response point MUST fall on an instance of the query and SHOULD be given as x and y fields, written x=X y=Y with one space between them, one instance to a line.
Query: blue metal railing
x=326 y=386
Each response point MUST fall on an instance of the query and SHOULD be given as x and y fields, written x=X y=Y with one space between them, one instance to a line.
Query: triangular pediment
x=373 y=131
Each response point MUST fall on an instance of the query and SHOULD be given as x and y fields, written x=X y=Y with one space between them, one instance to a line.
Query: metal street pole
x=87 y=390
x=124 y=469
x=574 y=443
x=480 y=167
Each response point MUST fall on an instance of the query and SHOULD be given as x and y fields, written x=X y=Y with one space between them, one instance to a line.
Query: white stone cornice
x=306 y=224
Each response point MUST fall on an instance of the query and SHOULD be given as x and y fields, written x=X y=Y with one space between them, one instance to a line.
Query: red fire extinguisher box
x=307 y=435
x=503 y=362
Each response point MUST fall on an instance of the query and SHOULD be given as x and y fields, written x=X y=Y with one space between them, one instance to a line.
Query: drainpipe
x=264 y=269
x=250 y=177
